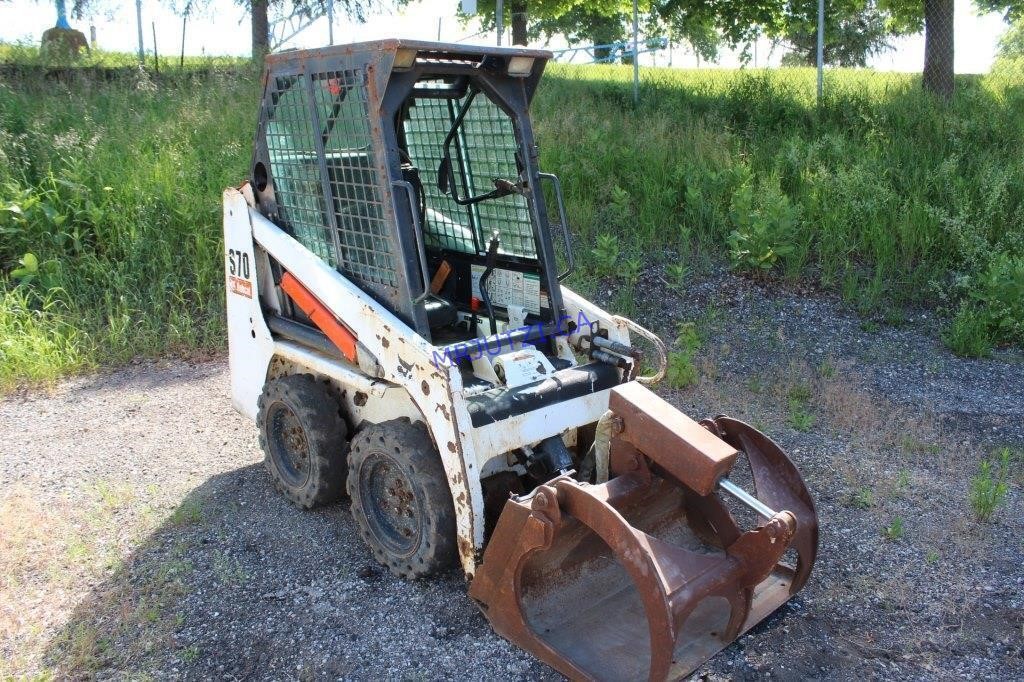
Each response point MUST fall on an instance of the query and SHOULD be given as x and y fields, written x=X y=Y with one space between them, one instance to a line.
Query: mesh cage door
x=329 y=180
x=484 y=149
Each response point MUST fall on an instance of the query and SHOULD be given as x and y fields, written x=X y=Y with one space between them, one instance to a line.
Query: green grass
x=990 y=486
x=797 y=400
x=879 y=193
x=29 y=55
x=114 y=188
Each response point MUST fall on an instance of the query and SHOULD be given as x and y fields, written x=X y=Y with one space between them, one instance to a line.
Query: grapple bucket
x=647 y=575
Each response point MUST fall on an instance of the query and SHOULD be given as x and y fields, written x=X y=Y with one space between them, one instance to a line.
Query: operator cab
x=411 y=168
x=461 y=156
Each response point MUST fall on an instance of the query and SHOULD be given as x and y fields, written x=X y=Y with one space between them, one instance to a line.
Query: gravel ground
x=141 y=535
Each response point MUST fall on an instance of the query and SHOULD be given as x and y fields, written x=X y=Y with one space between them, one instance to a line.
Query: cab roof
x=427 y=50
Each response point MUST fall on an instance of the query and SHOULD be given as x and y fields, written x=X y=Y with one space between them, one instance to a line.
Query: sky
x=223 y=28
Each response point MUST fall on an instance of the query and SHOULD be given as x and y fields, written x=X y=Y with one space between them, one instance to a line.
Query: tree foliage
x=582 y=25
x=1011 y=45
x=855 y=30
x=576 y=19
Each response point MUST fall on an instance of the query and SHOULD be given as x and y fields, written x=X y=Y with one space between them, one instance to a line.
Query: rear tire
x=303 y=437
x=401 y=501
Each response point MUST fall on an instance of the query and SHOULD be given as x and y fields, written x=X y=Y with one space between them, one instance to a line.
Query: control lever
x=492 y=255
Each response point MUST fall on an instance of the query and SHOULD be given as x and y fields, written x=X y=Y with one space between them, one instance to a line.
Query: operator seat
x=440 y=312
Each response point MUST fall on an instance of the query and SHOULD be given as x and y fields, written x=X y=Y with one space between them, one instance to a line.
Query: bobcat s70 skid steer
x=399 y=334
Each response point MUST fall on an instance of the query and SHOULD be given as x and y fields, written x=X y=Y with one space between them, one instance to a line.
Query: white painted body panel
x=409 y=383
x=250 y=345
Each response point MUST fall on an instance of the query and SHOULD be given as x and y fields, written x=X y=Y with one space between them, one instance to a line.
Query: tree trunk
x=938 y=47
x=260 y=29
x=518 y=8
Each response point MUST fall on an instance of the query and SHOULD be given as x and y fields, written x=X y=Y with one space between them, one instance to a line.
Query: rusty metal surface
x=394 y=44
x=698 y=458
x=644 y=576
x=778 y=484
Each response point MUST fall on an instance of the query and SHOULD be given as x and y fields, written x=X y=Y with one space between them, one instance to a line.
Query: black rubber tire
x=395 y=463
x=304 y=440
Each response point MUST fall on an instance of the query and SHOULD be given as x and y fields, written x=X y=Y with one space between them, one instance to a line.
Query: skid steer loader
x=399 y=333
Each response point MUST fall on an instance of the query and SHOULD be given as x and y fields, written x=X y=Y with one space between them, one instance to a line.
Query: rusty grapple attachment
x=648 y=574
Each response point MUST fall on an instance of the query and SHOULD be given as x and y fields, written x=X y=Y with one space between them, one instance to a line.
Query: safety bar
x=410 y=193
x=560 y=200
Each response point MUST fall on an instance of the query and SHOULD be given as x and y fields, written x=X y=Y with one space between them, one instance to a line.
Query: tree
x=936 y=17
x=939 y=47
x=520 y=12
x=699 y=31
x=259 y=11
x=854 y=31
x=582 y=25
x=736 y=21
x=1011 y=45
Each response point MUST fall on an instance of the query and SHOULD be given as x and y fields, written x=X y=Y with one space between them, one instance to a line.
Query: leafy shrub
x=894 y=531
x=30 y=271
x=1000 y=293
x=992 y=310
x=988 y=492
x=681 y=371
x=764 y=228
x=677 y=273
x=605 y=255
x=631 y=270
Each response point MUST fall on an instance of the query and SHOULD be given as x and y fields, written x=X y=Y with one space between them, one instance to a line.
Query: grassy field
x=110 y=195
x=879 y=193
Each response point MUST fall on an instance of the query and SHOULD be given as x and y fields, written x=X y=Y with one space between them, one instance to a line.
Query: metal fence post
x=138 y=21
x=499 y=19
x=821 y=45
x=330 y=22
x=636 y=55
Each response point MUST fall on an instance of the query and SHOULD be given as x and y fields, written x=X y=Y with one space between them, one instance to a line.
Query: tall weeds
x=113 y=188
x=878 y=191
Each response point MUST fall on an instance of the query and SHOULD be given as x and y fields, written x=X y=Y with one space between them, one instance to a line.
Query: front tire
x=303 y=437
x=401 y=501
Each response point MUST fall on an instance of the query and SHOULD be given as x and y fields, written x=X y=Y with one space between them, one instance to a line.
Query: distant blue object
x=614 y=51
x=62 y=15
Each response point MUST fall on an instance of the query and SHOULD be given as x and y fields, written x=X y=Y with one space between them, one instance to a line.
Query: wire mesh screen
x=296 y=169
x=484 y=149
x=361 y=247
x=354 y=175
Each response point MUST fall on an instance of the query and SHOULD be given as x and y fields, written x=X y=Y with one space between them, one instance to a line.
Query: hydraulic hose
x=492 y=255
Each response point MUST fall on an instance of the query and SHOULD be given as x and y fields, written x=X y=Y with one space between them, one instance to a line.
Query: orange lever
x=323 y=318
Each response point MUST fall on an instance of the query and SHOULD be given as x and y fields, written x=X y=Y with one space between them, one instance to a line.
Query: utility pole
x=138 y=22
x=156 y=57
x=821 y=46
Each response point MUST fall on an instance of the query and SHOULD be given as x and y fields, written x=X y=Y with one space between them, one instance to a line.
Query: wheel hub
x=291 y=443
x=390 y=504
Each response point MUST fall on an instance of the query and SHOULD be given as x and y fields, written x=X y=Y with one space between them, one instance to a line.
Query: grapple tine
x=778 y=484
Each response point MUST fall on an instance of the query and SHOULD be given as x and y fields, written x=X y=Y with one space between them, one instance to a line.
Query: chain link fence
x=827 y=51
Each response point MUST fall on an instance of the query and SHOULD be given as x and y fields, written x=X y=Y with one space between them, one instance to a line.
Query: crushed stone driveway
x=142 y=537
